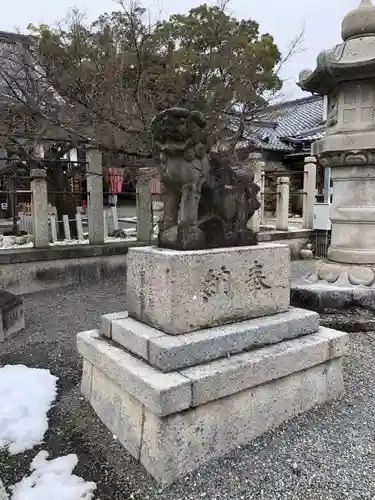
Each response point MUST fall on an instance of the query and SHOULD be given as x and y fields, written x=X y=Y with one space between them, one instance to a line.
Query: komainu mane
x=206 y=203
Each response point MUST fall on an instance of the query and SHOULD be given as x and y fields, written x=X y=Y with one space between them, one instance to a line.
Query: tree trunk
x=13 y=209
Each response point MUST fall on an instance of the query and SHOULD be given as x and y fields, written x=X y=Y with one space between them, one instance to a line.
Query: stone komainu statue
x=206 y=203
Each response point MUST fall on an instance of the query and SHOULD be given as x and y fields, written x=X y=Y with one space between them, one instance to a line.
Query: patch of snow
x=26 y=395
x=69 y=242
x=53 y=479
x=14 y=245
x=108 y=239
x=112 y=239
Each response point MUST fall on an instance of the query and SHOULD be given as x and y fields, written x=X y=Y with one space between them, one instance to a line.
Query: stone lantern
x=346 y=75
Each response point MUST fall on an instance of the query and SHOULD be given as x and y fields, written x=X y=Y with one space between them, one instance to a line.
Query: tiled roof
x=272 y=127
x=310 y=135
x=9 y=37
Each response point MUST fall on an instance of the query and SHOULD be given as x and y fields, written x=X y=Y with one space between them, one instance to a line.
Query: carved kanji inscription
x=216 y=282
x=256 y=279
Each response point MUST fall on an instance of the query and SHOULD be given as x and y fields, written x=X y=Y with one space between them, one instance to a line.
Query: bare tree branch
x=295 y=47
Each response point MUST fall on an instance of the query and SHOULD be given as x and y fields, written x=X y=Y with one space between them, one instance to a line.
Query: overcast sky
x=284 y=19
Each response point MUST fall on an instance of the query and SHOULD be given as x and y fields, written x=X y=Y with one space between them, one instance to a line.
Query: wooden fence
x=25 y=209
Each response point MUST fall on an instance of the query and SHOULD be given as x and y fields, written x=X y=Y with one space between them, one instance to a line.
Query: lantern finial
x=360 y=21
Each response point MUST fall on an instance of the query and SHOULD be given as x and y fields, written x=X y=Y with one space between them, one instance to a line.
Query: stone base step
x=174 y=422
x=170 y=352
x=12 y=318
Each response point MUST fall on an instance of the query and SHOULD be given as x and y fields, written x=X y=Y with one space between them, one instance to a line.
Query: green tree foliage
x=112 y=76
x=213 y=54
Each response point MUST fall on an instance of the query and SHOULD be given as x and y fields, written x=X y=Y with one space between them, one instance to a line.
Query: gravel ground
x=327 y=454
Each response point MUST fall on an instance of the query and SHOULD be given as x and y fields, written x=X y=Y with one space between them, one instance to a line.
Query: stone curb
x=19 y=255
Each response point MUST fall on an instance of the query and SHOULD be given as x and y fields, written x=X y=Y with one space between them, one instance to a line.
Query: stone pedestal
x=178 y=391
x=335 y=286
x=179 y=292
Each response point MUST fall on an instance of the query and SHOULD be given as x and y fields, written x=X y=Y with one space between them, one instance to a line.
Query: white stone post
x=262 y=194
x=79 y=226
x=66 y=227
x=53 y=223
x=115 y=218
x=105 y=225
x=282 y=204
x=309 y=186
x=39 y=207
x=258 y=169
x=95 y=207
x=144 y=211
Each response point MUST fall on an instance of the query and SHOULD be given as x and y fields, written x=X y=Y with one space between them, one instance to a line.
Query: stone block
x=172 y=446
x=106 y=322
x=171 y=352
x=134 y=336
x=12 y=317
x=162 y=393
x=338 y=341
x=183 y=291
x=178 y=444
x=224 y=377
x=118 y=410
x=86 y=379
